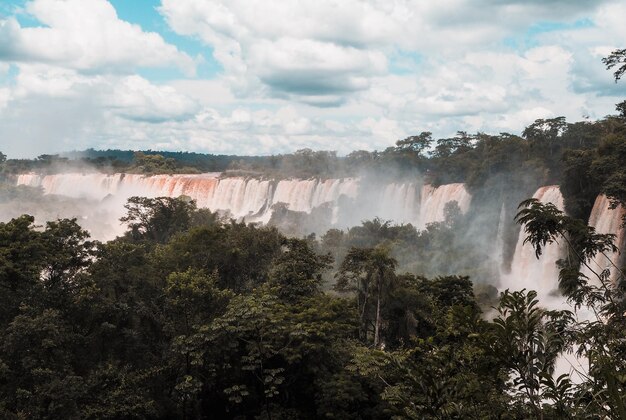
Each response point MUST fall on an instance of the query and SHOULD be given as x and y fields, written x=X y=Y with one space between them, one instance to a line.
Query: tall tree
x=369 y=272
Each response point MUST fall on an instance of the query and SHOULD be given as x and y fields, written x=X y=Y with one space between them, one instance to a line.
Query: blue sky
x=274 y=76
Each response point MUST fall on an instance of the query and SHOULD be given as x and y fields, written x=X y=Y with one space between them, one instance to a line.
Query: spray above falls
x=351 y=200
x=252 y=200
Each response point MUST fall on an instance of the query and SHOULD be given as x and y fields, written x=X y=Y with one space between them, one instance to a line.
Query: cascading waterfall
x=528 y=271
x=400 y=202
x=541 y=274
x=499 y=245
x=434 y=201
x=606 y=220
x=252 y=199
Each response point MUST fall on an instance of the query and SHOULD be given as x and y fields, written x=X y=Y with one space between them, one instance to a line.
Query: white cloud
x=309 y=51
x=137 y=99
x=52 y=108
x=323 y=74
x=5 y=97
x=52 y=81
x=86 y=35
x=322 y=52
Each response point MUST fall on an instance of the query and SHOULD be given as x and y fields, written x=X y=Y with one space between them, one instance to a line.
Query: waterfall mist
x=480 y=240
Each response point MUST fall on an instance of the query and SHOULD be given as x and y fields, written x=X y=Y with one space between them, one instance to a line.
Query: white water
x=499 y=245
x=532 y=273
x=606 y=220
x=252 y=199
x=542 y=274
x=409 y=202
x=434 y=201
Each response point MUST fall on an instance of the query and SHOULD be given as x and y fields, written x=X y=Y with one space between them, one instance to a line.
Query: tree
x=68 y=252
x=21 y=256
x=154 y=163
x=445 y=369
x=297 y=270
x=240 y=254
x=621 y=108
x=369 y=272
x=579 y=187
x=268 y=357
x=607 y=168
x=529 y=339
x=37 y=347
x=448 y=146
x=158 y=219
x=600 y=339
x=416 y=144
x=617 y=58
x=545 y=135
x=192 y=302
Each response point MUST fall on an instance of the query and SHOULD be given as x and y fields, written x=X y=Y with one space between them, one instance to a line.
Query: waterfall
x=526 y=270
x=247 y=198
x=500 y=233
x=252 y=199
x=606 y=220
x=434 y=200
x=400 y=202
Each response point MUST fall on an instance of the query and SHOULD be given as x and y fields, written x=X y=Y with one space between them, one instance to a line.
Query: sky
x=252 y=77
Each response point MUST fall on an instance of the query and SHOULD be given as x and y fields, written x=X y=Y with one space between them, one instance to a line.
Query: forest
x=189 y=315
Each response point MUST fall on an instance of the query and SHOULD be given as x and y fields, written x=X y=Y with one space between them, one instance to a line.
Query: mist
x=446 y=231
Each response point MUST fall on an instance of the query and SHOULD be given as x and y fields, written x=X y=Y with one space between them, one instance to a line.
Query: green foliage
x=580 y=188
x=193 y=299
x=445 y=368
x=196 y=319
x=188 y=316
x=617 y=58
x=601 y=339
x=530 y=339
x=370 y=273
x=621 y=108
x=21 y=254
x=153 y=164
x=158 y=219
x=296 y=272
x=242 y=255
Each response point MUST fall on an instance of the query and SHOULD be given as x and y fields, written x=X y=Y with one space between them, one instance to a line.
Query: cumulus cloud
x=79 y=111
x=86 y=35
x=306 y=51
x=137 y=99
x=53 y=108
x=309 y=51
x=355 y=74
